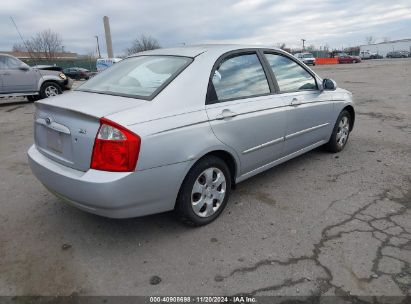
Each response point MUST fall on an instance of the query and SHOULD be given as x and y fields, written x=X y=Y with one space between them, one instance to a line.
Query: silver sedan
x=176 y=129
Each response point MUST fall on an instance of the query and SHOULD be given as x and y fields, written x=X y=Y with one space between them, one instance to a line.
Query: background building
x=384 y=47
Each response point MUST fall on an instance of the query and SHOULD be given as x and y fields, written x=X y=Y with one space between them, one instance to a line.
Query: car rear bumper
x=110 y=194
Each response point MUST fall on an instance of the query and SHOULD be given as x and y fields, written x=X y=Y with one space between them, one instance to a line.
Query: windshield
x=308 y=55
x=141 y=76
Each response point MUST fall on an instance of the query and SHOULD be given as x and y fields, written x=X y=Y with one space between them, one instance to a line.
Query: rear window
x=140 y=77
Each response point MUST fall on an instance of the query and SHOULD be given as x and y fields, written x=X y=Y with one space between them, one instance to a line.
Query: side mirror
x=329 y=84
x=24 y=67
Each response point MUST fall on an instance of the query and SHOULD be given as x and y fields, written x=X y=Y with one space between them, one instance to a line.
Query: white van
x=104 y=63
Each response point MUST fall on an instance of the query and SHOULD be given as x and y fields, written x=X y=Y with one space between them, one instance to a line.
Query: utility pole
x=303 y=40
x=108 y=37
x=98 y=47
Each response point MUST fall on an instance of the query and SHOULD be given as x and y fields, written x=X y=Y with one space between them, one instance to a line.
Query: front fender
x=53 y=78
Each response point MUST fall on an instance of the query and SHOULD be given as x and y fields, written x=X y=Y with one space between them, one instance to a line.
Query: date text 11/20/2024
x=203 y=299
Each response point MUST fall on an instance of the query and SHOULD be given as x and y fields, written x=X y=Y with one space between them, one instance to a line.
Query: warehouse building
x=384 y=47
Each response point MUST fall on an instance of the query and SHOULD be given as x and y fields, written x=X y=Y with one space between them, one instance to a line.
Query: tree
x=143 y=43
x=45 y=44
x=17 y=47
x=369 y=40
x=311 y=48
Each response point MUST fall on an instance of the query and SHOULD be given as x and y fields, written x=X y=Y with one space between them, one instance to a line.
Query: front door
x=309 y=109
x=243 y=112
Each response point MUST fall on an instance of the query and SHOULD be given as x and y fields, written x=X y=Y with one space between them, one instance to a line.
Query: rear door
x=243 y=112
x=308 y=109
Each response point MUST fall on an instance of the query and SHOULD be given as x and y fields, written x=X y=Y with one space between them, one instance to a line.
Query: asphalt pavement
x=321 y=224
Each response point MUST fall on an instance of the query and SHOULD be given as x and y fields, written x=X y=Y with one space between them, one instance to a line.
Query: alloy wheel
x=208 y=192
x=343 y=131
x=51 y=91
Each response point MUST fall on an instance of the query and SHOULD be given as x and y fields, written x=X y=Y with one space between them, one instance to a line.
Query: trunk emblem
x=82 y=131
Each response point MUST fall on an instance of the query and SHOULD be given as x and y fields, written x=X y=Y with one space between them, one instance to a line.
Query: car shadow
x=167 y=223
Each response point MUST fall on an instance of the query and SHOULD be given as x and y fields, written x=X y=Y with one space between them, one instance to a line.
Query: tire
x=49 y=89
x=201 y=201
x=33 y=98
x=339 y=140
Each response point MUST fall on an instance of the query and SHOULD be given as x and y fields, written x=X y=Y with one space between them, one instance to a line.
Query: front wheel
x=341 y=132
x=49 y=89
x=204 y=192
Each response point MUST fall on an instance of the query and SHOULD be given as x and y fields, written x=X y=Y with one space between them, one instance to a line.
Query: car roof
x=195 y=50
x=7 y=55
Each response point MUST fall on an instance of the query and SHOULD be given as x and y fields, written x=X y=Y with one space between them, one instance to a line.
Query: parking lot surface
x=331 y=224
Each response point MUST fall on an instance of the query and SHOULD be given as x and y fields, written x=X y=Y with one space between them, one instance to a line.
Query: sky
x=341 y=23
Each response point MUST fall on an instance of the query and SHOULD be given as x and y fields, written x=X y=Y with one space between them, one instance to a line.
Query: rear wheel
x=340 y=134
x=204 y=192
x=49 y=89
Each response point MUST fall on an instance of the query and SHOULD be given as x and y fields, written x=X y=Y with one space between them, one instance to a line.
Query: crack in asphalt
x=383 y=235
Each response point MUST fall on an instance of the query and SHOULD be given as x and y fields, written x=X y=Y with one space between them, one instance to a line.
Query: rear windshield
x=139 y=77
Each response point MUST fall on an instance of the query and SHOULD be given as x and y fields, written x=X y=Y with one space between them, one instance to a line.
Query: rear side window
x=140 y=77
x=12 y=63
x=3 y=63
x=239 y=77
x=290 y=76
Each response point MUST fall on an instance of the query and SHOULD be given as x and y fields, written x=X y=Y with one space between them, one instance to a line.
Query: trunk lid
x=65 y=126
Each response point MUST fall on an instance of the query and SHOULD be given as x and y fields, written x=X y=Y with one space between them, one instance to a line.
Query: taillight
x=115 y=148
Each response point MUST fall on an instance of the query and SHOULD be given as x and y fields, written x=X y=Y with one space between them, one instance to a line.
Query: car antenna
x=25 y=44
x=21 y=37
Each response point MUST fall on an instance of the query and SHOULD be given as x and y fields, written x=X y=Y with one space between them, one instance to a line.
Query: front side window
x=138 y=77
x=290 y=76
x=239 y=77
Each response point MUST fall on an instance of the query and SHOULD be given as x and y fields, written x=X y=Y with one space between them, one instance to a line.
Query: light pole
x=98 y=47
x=303 y=40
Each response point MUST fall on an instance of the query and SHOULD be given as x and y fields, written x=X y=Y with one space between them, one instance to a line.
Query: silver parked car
x=18 y=79
x=178 y=128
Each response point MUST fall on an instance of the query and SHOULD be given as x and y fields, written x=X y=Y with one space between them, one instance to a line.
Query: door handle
x=6 y=74
x=295 y=102
x=226 y=113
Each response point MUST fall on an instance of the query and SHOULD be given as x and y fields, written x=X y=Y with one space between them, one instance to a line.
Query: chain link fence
x=86 y=63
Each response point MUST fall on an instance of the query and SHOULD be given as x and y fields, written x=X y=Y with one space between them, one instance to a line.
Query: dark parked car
x=344 y=58
x=398 y=54
x=77 y=73
x=47 y=67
